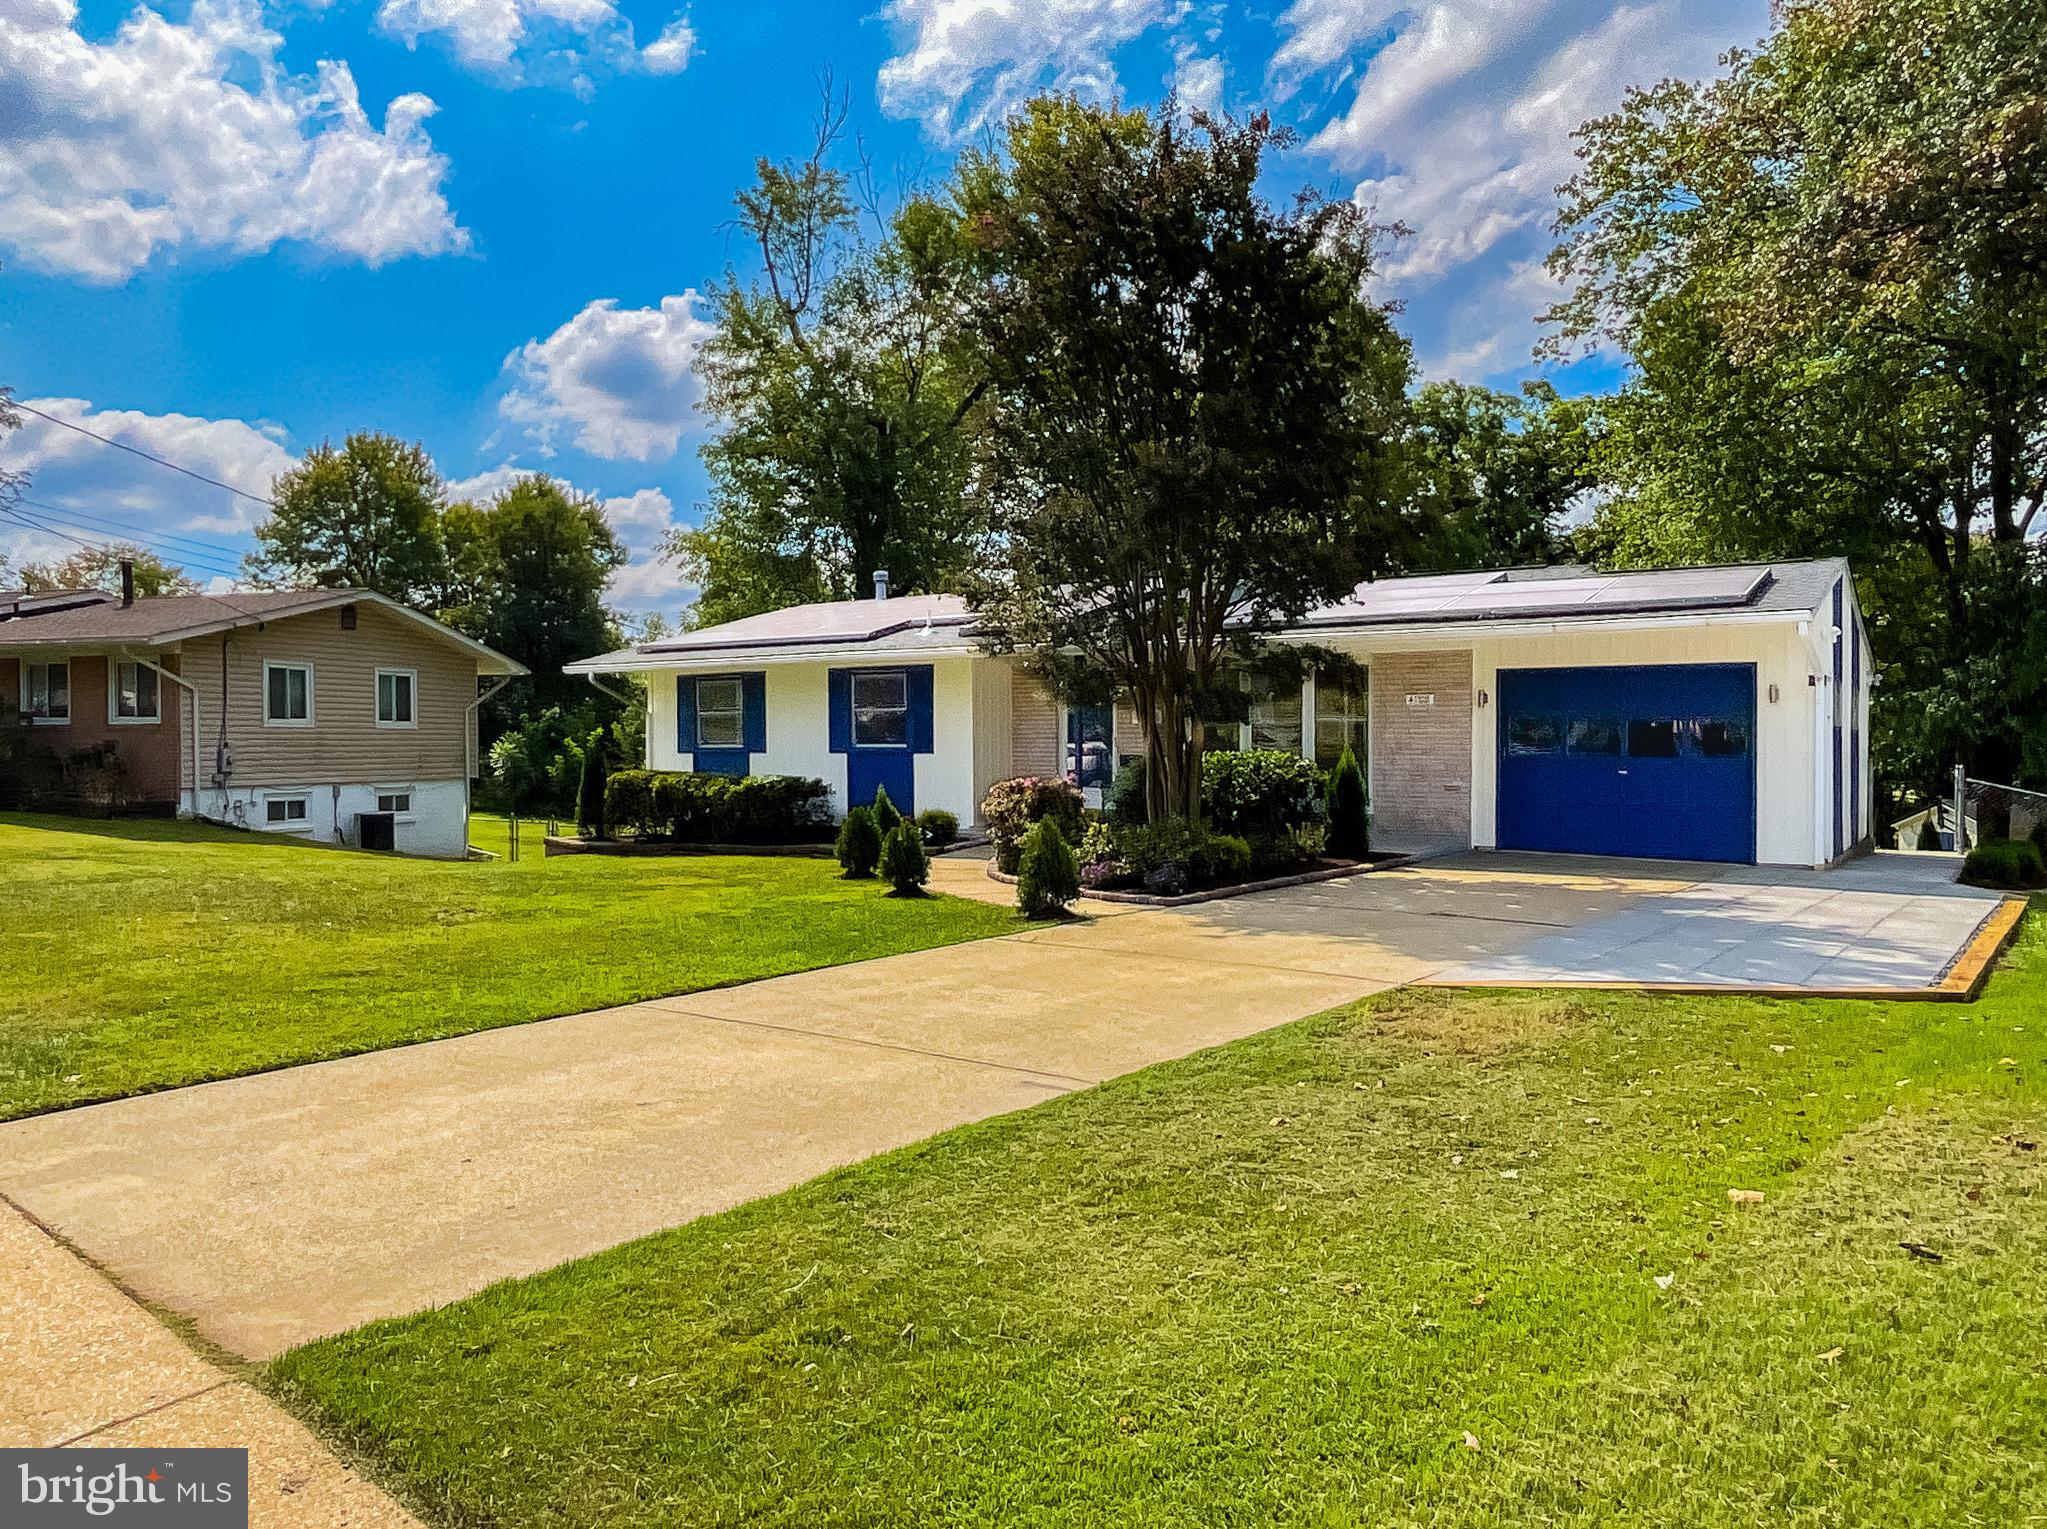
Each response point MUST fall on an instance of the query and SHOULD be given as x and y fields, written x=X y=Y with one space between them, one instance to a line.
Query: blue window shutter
x=753 y=701
x=919 y=678
x=839 y=709
x=685 y=714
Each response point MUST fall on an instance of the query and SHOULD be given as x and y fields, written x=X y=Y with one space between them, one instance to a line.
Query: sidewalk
x=84 y=1365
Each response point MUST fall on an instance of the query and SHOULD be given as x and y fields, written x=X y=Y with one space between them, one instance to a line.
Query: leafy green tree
x=844 y=392
x=1492 y=475
x=1825 y=265
x=366 y=516
x=1194 y=407
x=100 y=568
x=535 y=562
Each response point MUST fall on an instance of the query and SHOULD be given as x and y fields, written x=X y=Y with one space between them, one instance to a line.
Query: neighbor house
x=331 y=714
x=1705 y=713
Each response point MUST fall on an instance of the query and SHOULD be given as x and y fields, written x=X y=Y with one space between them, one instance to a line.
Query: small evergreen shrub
x=1929 y=835
x=1350 y=833
x=1125 y=804
x=859 y=843
x=885 y=815
x=904 y=865
x=1260 y=793
x=938 y=826
x=1047 y=874
x=1012 y=806
x=2008 y=864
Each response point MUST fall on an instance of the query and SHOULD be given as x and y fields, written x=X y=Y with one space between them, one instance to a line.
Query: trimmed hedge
x=2008 y=864
x=718 y=809
x=938 y=826
x=1260 y=793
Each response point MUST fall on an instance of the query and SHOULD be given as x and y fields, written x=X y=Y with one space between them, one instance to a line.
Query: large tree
x=533 y=565
x=1827 y=267
x=1491 y=477
x=1195 y=405
x=364 y=516
x=100 y=568
x=844 y=389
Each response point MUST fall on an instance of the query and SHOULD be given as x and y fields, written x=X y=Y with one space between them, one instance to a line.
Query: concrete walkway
x=83 y=1365
x=277 y=1208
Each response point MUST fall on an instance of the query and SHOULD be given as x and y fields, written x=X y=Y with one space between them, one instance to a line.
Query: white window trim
x=114 y=717
x=853 y=709
x=311 y=705
x=377 y=699
x=738 y=745
x=411 y=814
x=302 y=825
x=63 y=721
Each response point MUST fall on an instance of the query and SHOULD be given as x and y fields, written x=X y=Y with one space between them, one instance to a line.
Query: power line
x=147 y=456
x=138 y=533
x=33 y=523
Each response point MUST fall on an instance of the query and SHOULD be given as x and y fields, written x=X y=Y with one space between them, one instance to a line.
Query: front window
x=881 y=708
x=46 y=692
x=1275 y=714
x=721 y=721
x=287 y=695
x=137 y=697
x=1343 y=719
x=394 y=801
x=394 y=697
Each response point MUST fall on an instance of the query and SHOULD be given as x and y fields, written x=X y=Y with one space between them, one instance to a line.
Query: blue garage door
x=1653 y=760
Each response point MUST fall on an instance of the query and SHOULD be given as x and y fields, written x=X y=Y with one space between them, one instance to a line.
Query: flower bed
x=1323 y=870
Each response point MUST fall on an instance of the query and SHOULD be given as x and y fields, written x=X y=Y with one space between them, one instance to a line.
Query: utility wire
x=34 y=525
x=147 y=456
x=145 y=534
x=217 y=567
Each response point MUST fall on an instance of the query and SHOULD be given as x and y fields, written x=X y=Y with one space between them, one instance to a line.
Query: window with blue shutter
x=721 y=721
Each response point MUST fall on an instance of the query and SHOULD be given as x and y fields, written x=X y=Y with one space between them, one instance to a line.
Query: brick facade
x=1421 y=750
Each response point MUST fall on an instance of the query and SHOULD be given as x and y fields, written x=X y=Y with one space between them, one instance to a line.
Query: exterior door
x=1090 y=750
x=1645 y=760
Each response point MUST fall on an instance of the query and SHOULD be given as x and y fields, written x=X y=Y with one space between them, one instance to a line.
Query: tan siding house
x=299 y=713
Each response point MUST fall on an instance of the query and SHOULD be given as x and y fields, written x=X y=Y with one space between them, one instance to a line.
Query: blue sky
x=231 y=229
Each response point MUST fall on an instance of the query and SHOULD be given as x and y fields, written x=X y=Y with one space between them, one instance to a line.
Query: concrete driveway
x=278 y=1208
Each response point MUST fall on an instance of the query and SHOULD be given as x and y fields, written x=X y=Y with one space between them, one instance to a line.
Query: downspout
x=192 y=700
x=469 y=750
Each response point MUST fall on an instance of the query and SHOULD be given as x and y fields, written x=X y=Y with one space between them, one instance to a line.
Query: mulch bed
x=1324 y=870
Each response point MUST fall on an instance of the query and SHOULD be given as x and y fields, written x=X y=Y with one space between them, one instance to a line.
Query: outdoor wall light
x=1482 y=699
x=1773 y=692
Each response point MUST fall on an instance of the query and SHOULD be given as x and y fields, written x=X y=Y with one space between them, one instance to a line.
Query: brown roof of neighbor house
x=21 y=602
x=161 y=620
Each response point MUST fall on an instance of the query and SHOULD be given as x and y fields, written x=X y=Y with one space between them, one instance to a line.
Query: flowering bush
x=1011 y=807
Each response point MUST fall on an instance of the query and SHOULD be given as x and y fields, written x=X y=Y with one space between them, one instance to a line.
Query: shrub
x=1929 y=835
x=885 y=815
x=1350 y=833
x=1126 y=794
x=1260 y=793
x=1174 y=856
x=2039 y=835
x=859 y=845
x=629 y=803
x=938 y=826
x=904 y=865
x=1047 y=874
x=1011 y=807
x=2008 y=864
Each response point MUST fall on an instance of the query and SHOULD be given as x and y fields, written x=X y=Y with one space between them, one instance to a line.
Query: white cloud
x=1461 y=124
x=101 y=494
x=620 y=378
x=1198 y=79
x=192 y=135
x=641 y=519
x=671 y=52
x=968 y=62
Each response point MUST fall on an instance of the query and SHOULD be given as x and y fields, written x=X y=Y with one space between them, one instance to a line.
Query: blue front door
x=1090 y=752
x=1650 y=760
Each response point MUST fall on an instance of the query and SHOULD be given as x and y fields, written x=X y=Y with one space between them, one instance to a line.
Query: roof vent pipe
x=881 y=583
x=127 y=581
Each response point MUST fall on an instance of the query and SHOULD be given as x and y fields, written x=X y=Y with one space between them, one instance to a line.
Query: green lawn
x=137 y=956
x=1282 y=1281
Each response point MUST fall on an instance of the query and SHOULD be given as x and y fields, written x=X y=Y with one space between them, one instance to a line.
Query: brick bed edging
x=1216 y=894
x=817 y=849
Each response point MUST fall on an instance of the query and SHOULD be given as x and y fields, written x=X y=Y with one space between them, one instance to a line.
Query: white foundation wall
x=1788 y=808
x=799 y=728
x=436 y=828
